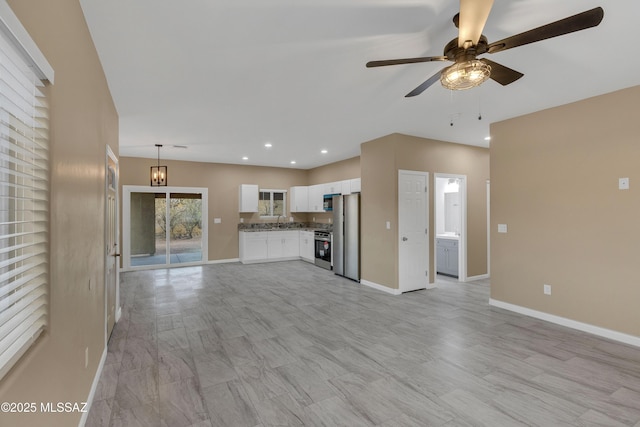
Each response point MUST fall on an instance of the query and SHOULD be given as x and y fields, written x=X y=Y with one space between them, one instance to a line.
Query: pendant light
x=158 y=173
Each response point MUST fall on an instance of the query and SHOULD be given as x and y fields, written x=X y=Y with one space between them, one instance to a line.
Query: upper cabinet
x=333 y=187
x=354 y=185
x=299 y=199
x=248 y=198
x=316 y=193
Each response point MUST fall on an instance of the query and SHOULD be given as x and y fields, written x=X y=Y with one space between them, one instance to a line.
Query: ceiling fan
x=468 y=71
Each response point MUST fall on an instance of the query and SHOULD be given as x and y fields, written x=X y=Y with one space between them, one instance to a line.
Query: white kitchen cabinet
x=299 y=199
x=248 y=198
x=261 y=246
x=316 y=193
x=283 y=244
x=253 y=246
x=447 y=256
x=290 y=244
x=333 y=187
x=275 y=245
x=307 y=249
x=355 y=185
x=346 y=187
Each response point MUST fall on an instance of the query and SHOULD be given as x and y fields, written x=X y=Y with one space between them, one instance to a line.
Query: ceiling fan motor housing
x=460 y=54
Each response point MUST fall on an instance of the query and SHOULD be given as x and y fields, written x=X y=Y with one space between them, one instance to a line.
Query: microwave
x=327 y=203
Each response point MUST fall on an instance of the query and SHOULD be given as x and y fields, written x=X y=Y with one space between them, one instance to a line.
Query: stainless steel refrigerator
x=346 y=236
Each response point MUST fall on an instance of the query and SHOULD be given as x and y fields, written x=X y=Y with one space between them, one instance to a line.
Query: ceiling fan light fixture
x=465 y=75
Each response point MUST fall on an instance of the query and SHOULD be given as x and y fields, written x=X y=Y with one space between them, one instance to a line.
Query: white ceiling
x=223 y=77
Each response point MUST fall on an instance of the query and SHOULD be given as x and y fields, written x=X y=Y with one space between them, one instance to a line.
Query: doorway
x=413 y=230
x=112 y=239
x=164 y=227
x=450 y=208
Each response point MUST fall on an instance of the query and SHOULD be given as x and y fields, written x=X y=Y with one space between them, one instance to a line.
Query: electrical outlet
x=547 y=289
x=623 y=183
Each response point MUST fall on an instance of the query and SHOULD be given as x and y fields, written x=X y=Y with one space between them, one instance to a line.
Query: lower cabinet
x=253 y=246
x=259 y=246
x=307 y=249
x=447 y=257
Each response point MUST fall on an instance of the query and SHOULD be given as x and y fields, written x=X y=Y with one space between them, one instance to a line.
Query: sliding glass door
x=166 y=227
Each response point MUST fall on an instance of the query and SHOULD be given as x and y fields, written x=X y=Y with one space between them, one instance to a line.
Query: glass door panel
x=148 y=241
x=185 y=236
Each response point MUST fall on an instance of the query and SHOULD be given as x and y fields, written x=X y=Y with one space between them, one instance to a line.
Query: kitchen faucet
x=278 y=221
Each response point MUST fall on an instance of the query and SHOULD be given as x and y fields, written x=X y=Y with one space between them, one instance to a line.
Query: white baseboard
x=380 y=287
x=94 y=387
x=478 y=277
x=223 y=261
x=563 y=321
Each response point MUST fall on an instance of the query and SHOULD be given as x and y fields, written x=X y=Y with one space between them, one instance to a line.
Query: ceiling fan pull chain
x=451 y=105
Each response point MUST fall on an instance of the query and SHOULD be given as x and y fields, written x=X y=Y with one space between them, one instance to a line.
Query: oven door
x=323 y=252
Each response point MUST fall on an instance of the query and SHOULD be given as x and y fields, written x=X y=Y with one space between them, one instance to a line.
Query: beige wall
x=554 y=182
x=380 y=161
x=338 y=171
x=83 y=120
x=222 y=181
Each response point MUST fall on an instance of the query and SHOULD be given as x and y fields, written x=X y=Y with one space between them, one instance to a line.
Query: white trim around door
x=127 y=190
x=462 y=242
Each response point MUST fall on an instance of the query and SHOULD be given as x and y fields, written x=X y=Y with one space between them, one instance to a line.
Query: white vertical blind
x=24 y=205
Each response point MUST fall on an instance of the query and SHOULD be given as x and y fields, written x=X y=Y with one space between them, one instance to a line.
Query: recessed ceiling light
x=324 y=151
x=245 y=158
x=293 y=162
x=487 y=138
x=268 y=145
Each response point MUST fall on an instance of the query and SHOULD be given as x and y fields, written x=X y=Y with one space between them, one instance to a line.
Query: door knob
x=404 y=239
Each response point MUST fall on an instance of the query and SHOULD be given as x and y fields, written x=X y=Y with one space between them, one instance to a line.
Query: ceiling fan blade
x=424 y=86
x=581 y=21
x=473 y=16
x=501 y=74
x=371 y=64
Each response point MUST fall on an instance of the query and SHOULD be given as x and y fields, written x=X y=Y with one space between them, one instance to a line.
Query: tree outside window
x=271 y=203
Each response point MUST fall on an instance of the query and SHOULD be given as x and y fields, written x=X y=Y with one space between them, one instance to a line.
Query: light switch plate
x=623 y=183
x=502 y=228
x=217 y=220
x=388 y=225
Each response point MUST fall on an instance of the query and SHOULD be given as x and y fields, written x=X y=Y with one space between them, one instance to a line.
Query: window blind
x=24 y=205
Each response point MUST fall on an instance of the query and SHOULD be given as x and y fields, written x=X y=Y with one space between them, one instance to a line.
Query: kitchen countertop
x=253 y=230
x=447 y=236
x=285 y=226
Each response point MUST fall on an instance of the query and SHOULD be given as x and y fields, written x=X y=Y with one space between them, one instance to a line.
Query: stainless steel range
x=322 y=240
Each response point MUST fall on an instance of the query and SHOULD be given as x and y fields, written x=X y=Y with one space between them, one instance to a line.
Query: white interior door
x=413 y=230
x=112 y=238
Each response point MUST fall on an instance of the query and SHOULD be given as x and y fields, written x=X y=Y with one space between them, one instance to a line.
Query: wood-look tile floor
x=290 y=344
